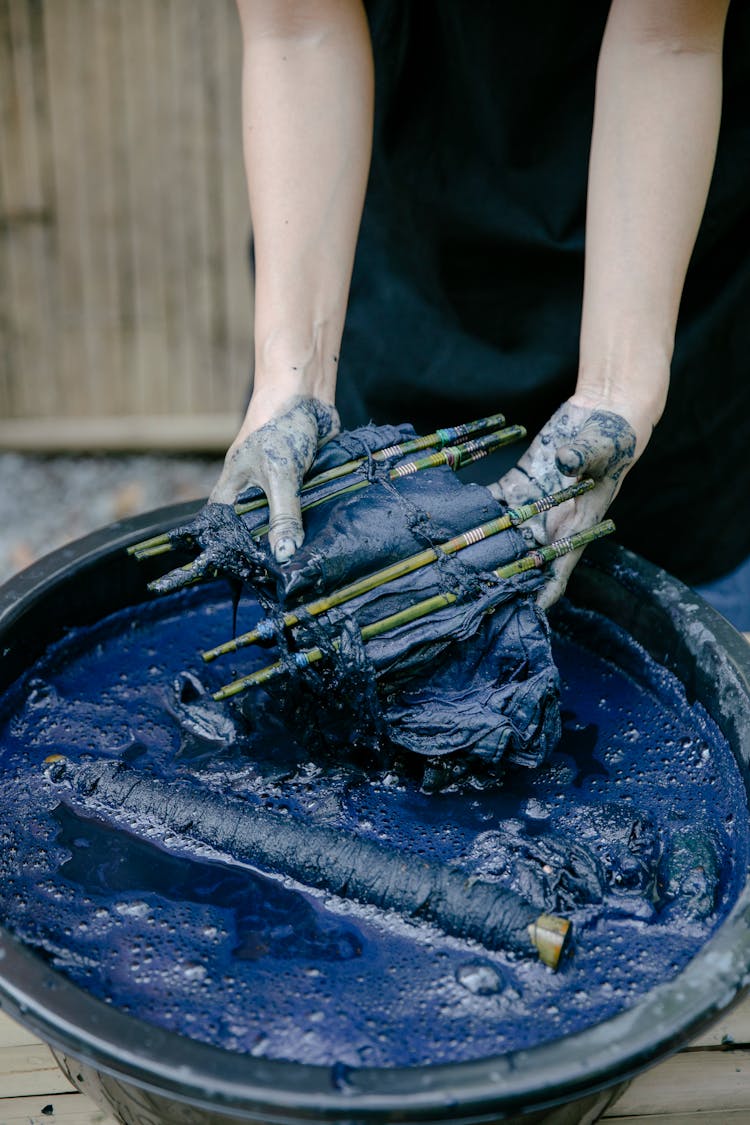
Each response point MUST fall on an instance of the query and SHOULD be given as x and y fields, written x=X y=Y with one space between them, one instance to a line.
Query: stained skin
x=575 y=442
x=226 y=547
x=276 y=457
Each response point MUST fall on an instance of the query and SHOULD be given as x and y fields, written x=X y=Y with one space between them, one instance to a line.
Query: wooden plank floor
x=706 y=1084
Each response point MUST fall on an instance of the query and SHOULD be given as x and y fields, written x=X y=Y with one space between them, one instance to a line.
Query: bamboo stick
x=265 y=629
x=439 y=438
x=454 y=456
x=534 y=560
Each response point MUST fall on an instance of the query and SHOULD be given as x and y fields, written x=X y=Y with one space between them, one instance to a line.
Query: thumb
x=285 y=531
x=604 y=446
x=589 y=453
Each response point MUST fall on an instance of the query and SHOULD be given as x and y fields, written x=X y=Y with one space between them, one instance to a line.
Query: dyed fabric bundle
x=473 y=681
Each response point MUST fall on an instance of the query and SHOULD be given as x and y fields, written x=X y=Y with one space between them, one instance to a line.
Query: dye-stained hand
x=225 y=546
x=576 y=442
x=275 y=458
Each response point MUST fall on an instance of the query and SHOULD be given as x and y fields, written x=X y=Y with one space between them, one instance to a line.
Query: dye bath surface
x=635 y=829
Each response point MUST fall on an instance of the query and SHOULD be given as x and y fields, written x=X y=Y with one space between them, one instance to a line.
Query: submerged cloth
x=475 y=679
x=467 y=287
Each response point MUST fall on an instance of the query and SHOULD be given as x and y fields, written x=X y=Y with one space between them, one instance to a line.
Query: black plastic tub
x=146 y=1075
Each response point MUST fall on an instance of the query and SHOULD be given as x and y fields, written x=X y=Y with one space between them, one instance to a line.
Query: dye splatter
x=636 y=829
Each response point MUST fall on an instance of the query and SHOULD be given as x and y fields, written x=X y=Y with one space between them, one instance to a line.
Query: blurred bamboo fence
x=125 y=303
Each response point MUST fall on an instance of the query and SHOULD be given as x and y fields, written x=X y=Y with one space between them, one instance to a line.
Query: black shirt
x=468 y=280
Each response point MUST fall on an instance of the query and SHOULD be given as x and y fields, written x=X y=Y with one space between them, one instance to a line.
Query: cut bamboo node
x=550 y=935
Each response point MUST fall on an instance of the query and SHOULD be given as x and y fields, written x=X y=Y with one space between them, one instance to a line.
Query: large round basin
x=147 y=1075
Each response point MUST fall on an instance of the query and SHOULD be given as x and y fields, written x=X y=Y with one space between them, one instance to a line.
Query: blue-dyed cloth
x=475 y=679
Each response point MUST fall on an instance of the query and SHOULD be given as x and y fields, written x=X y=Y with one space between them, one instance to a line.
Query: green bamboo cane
x=439 y=438
x=534 y=560
x=454 y=456
x=265 y=630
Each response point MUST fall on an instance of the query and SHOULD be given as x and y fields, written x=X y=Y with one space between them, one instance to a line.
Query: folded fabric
x=473 y=681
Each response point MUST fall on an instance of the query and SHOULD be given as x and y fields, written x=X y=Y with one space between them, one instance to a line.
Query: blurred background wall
x=125 y=303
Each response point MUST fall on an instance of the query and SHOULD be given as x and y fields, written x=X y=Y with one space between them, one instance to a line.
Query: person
x=474 y=287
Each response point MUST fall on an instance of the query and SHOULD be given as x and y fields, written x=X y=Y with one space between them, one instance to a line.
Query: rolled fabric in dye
x=474 y=680
x=313 y=854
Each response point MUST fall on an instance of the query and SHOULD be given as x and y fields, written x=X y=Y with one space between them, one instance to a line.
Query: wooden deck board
x=709 y=1117
x=30 y=1069
x=691 y=1082
x=70 y=1109
x=706 y=1084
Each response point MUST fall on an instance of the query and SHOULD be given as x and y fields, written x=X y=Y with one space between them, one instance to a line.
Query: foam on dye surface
x=643 y=795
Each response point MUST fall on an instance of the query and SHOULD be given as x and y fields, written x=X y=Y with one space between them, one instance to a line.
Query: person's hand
x=576 y=442
x=275 y=458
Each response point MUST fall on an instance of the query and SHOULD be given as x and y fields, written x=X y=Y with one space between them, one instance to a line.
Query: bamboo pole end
x=550 y=936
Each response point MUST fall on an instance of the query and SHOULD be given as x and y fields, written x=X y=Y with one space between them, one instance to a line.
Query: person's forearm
x=656 y=123
x=307 y=129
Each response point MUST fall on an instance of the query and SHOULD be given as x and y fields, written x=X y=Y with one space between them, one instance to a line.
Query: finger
x=183 y=536
x=516 y=487
x=236 y=476
x=181 y=576
x=556 y=584
x=223 y=492
x=285 y=531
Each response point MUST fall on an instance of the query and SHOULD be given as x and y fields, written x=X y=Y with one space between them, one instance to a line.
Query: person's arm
x=307 y=99
x=656 y=124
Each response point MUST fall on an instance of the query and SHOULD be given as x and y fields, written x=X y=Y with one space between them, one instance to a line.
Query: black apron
x=467 y=287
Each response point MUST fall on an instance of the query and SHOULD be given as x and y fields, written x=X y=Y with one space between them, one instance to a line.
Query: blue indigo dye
x=636 y=829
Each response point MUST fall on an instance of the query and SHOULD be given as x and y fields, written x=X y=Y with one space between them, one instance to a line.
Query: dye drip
x=635 y=829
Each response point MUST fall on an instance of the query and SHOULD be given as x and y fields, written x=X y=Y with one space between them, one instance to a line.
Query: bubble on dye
x=135 y=909
x=191 y=971
x=480 y=977
x=535 y=809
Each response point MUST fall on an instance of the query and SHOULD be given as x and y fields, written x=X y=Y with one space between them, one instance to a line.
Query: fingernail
x=284 y=549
